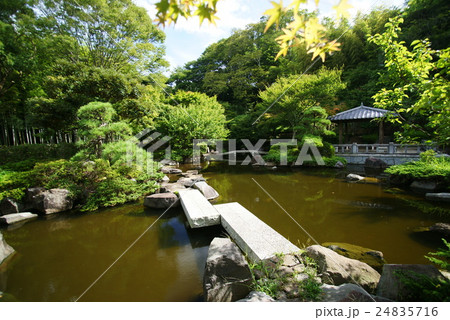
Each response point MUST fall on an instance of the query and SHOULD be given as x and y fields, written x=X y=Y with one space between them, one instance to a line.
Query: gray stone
x=171 y=187
x=257 y=296
x=347 y=292
x=354 y=177
x=227 y=275
x=165 y=179
x=52 y=201
x=391 y=287
x=336 y=269
x=31 y=193
x=339 y=165
x=208 y=192
x=5 y=249
x=168 y=162
x=16 y=217
x=424 y=186
x=258 y=240
x=372 y=257
x=443 y=196
x=9 y=205
x=161 y=200
x=170 y=170
x=375 y=163
x=198 y=210
x=191 y=180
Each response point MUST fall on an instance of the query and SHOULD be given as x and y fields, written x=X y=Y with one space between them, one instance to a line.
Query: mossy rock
x=373 y=258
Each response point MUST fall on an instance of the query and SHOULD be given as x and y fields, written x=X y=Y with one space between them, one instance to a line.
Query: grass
x=271 y=278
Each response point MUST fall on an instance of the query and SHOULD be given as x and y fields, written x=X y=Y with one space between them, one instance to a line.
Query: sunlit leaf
x=274 y=14
x=342 y=9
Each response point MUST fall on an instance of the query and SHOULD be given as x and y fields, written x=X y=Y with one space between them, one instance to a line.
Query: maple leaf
x=342 y=9
x=313 y=31
x=296 y=4
x=274 y=14
x=205 y=12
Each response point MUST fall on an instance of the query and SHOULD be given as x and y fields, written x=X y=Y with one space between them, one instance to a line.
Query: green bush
x=428 y=167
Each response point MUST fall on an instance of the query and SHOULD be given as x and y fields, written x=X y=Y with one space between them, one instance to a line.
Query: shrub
x=428 y=167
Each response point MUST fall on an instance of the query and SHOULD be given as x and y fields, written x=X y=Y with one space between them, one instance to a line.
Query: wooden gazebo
x=358 y=114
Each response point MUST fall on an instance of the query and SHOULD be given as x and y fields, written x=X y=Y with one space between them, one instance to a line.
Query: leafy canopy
x=417 y=86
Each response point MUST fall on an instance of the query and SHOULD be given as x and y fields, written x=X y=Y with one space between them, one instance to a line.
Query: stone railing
x=391 y=148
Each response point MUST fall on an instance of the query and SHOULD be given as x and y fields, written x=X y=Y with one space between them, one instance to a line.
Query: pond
x=59 y=256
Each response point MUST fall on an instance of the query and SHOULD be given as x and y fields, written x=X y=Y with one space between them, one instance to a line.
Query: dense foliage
x=429 y=167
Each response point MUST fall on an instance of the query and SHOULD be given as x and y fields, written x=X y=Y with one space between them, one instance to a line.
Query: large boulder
x=391 y=285
x=5 y=249
x=209 y=192
x=16 y=217
x=442 y=196
x=373 y=258
x=8 y=206
x=347 y=292
x=161 y=200
x=257 y=296
x=374 y=163
x=51 y=201
x=227 y=275
x=336 y=269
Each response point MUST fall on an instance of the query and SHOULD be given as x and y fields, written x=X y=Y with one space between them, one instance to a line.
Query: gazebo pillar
x=380 y=132
x=341 y=135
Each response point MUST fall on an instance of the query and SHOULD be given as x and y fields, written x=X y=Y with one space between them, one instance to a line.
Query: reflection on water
x=59 y=258
x=60 y=255
x=333 y=210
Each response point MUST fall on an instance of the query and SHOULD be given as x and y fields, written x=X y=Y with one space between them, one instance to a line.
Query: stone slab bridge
x=254 y=237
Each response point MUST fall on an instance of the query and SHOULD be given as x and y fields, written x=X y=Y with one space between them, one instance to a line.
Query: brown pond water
x=59 y=256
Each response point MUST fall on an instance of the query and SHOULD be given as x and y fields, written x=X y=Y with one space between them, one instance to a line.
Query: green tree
x=190 y=116
x=97 y=128
x=291 y=102
x=416 y=87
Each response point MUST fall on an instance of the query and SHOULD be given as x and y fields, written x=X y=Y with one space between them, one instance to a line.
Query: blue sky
x=186 y=40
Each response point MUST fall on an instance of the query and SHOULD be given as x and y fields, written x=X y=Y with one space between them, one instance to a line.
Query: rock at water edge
x=9 y=205
x=161 y=200
x=209 y=192
x=373 y=258
x=442 y=196
x=374 y=163
x=52 y=201
x=5 y=249
x=391 y=286
x=354 y=177
x=336 y=269
x=16 y=217
x=227 y=274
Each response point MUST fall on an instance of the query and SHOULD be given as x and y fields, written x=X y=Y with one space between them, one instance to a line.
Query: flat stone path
x=199 y=211
x=252 y=235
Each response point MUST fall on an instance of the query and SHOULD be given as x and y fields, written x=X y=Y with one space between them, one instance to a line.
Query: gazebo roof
x=359 y=113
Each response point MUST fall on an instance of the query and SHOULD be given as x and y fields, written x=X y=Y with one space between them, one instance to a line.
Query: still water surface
x=59 y=256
